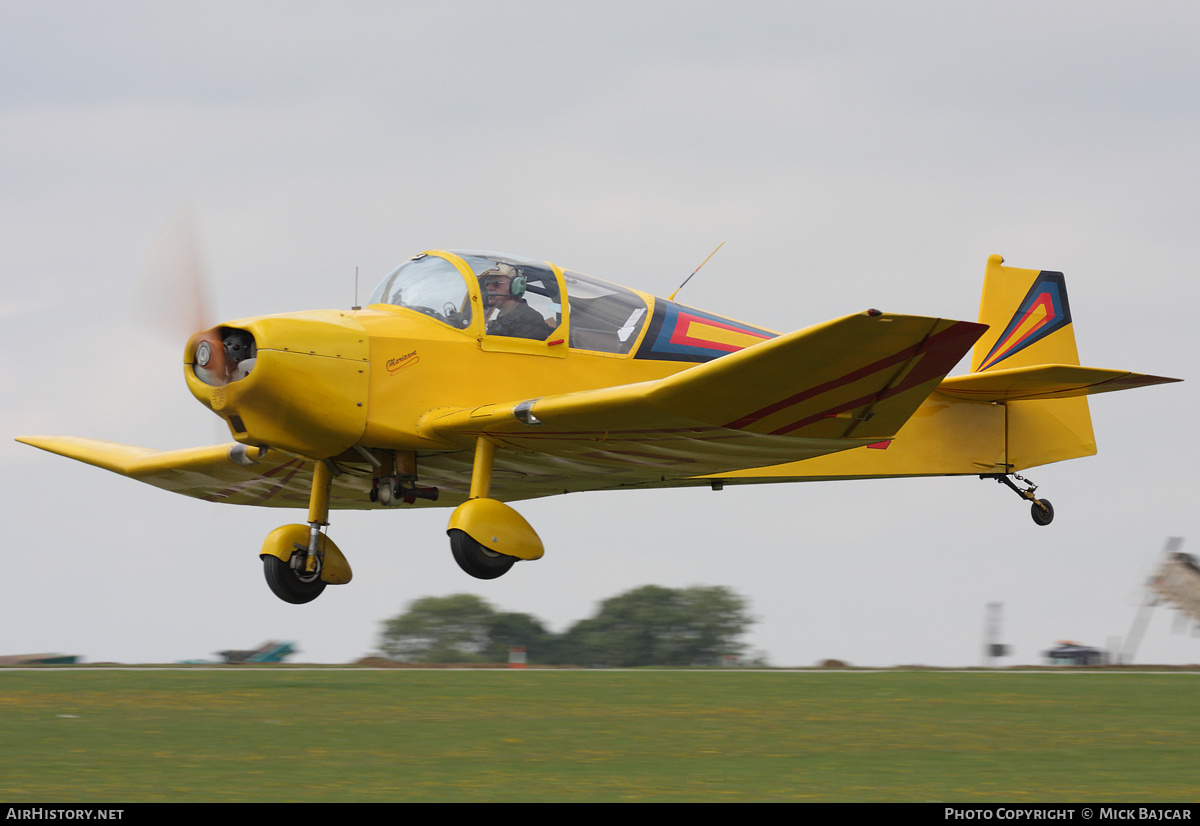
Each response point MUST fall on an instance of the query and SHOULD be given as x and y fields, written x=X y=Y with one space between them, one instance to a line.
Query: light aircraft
x=474 y=379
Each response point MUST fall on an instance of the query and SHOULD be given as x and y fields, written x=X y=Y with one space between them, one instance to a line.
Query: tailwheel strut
x=1040 y=509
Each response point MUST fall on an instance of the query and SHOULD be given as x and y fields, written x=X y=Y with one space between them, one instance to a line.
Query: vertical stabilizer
x=1029 y=323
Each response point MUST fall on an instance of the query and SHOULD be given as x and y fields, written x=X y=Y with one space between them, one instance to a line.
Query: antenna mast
x=671 y=297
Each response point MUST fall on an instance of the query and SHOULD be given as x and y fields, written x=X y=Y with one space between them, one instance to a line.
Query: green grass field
x=73 y=735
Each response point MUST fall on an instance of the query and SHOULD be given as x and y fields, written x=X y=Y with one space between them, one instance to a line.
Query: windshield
x=429 y=285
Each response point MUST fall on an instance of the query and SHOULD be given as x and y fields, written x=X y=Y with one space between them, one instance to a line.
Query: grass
x=73 y=735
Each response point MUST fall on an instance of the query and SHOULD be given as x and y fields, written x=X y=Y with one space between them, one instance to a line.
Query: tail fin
x=1027 y=361
x=1029 y=323
x=1028 y=317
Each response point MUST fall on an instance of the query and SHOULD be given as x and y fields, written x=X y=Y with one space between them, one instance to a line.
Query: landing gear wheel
x=477 y=560
x=288 y=585
x=1042 y=517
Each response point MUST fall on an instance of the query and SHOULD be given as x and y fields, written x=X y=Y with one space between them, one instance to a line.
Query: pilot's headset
x=516 y=283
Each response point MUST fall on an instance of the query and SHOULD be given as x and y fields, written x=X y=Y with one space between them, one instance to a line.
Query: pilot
x=507 y=312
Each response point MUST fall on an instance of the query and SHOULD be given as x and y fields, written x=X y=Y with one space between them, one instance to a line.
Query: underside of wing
x=229 y=473
x=846 y=383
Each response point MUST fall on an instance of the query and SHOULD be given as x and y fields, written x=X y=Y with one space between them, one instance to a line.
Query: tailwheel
x=477 y=560
x=1042 y=511
x=288 y=580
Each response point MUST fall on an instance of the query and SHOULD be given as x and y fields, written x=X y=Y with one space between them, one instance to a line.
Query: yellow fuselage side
x=945 y=437
x=419 y=365
x=952 y=437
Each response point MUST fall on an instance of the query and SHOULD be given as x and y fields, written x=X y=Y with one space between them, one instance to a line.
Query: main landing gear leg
x=298 y=571
x=1041 y=510
x=487 y=537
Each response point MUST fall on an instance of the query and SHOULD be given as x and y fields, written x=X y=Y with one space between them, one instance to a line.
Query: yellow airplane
x=473 y=379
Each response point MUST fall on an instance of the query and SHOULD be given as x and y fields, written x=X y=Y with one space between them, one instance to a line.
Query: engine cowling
x=297 y=382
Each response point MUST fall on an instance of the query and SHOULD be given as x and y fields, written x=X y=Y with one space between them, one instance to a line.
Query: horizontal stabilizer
x=1043 y=381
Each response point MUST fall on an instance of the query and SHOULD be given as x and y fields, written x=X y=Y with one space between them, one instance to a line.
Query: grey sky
x=852 y=155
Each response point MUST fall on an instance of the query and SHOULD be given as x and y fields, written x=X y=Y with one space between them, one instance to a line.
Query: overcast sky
x=851 y=155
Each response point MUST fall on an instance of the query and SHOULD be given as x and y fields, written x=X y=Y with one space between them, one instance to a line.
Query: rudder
x=1028 y=318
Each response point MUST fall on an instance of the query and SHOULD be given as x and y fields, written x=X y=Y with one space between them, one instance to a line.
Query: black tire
x=284 y=583
x=1042 y=517
x=477 y=560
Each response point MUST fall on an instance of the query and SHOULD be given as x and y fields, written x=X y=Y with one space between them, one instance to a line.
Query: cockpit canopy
x=602 y=317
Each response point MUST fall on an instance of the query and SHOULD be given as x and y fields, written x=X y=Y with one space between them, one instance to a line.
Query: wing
x=843 y=384
x=229 y=473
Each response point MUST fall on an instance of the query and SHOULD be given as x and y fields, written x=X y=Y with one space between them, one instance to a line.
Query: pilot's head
x=501 y=284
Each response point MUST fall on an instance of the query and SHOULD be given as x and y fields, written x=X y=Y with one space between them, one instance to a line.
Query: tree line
x=650 y=625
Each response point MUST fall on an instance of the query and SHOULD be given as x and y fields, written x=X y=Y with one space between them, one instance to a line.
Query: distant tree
x=439 y=629
x=511 y=630
x=652 y=625
x=460 y=628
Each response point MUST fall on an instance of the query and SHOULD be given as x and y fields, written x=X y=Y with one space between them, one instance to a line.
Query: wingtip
x=33 y=441
x=108 y=455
